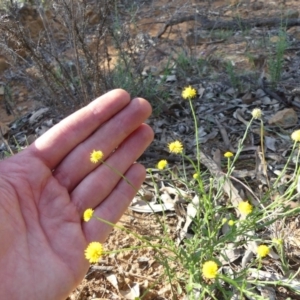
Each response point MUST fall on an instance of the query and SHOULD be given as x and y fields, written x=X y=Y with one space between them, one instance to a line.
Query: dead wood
x=194 y=17
x=235 y=24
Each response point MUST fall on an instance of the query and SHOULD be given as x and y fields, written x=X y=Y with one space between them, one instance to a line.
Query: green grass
x=188 y=65
x=231 y=72
x=275 y=61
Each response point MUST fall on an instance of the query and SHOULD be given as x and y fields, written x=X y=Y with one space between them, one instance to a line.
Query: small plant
x=221 y=34
x=275 y=62
x=203 y=266
x=235 y=82
x=123 y=76
x=65 y=50
x=190 y=65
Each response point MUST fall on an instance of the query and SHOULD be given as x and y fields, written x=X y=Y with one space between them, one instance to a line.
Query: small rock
x=259 y=93
x=38 y=114
x=274 y=39
x=147 y=196
x=3 y=64
x=259 y=60
x=257 y=5
x=197 y=37
x=4 y=129
x=150 y=70
x=285 y=118
x=295 y=32
x=34 y=72
x=95 y=19
x=41 y=130
x=20 y=108
x=248 y=98
x=234 y=2
x=31 y=138
x=171 y=78
x=266 y=100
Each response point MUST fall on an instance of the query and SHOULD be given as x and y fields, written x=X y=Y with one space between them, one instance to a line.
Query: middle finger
x=107 y=138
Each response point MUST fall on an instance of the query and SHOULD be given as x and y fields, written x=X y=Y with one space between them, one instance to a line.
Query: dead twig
x=224 y=136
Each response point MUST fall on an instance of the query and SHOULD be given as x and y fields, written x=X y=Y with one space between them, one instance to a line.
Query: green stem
x=196 y=134
x=134 y=234
x=121 y=175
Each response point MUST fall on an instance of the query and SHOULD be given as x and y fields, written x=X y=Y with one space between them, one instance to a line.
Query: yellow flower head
x=224 y=220
x=96 y=156
x=256 y=113
x=87 y=215
x=296 y=136
x=176 y=147
x=162 y=164
x=228 y=154
x=210 y=269
x=262 y=251
x=189 y=93
x=245 y=207
x=93 y=252
x=196 y=176
x=278 y=242
x=231 y=222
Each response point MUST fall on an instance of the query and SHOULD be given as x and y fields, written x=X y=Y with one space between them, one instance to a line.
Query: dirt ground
x=137 y=273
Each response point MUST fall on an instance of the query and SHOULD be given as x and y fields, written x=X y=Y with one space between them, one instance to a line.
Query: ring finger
x=108 y=137
x=99 y=183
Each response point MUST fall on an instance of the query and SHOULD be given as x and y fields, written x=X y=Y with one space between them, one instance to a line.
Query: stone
x=3 y=64
x=257 y=5
x=285 y=118
x=3 y=129
x=197 y=37
x=274 y=39
x=248 y=98
x=295 y=32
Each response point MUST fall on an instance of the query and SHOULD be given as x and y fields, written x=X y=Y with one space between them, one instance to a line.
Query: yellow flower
x=256 y=113
x=93 y=252
x=228 y=154
x=189 y=93
x=296 y=136
x=210 y=269
x=224 y=220
x=96 y=156
x=196 y=176
x=176 y=147
x=231 y=222
x=87 y=215
x=162 y=164
x=245 y=207
x=263 y=250
x=278 y=242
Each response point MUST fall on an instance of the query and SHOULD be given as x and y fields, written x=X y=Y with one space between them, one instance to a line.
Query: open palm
x=45 y=189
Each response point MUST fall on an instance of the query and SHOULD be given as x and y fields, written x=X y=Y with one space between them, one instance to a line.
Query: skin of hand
x=45 y=189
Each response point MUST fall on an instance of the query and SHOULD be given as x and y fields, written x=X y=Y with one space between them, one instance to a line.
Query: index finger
x=58 y=141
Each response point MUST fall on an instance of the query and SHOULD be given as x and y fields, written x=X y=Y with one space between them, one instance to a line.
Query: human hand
x=45 y=189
